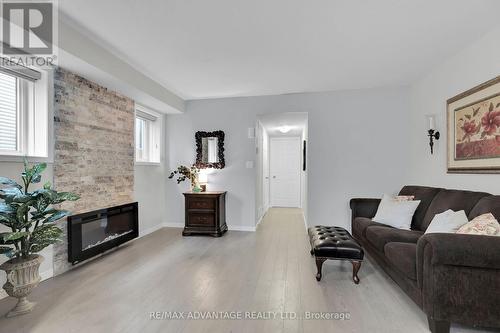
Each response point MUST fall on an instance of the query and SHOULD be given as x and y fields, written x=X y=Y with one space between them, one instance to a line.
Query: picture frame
x=473 y=129
x=219 y=161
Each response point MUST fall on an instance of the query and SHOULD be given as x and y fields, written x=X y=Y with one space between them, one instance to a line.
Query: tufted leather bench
x=335 y=243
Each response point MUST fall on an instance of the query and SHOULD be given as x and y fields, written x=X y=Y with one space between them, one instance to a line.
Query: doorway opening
x=281 y=165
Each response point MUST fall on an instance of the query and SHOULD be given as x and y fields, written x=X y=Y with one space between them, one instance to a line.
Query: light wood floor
x=269 y=270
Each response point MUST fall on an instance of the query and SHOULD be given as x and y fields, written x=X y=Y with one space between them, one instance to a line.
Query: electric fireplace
x=92 y=233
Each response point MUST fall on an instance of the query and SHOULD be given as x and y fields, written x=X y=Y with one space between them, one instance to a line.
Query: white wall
x=358 y=146
x=475 y=64
x=150 y=191
x=209 y=115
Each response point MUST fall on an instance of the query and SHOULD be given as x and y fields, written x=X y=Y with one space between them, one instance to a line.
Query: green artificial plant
x=30 y=215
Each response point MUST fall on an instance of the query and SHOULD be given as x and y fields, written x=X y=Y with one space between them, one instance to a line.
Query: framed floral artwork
x=473 y=119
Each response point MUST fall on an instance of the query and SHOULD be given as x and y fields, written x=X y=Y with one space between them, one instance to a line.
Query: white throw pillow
x=447 y=222
x=396 y=213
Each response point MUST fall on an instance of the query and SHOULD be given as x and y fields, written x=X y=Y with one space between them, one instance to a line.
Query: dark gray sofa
x=452 y=277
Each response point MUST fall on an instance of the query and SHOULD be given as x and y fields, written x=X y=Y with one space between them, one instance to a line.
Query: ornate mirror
x=210 y=149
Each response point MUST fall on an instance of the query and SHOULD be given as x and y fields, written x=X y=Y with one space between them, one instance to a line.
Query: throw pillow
x=397 y=214
x=448 y=222
x=404 y=197
x=485 y=224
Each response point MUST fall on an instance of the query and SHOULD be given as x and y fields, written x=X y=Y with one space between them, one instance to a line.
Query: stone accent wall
x=94 y=148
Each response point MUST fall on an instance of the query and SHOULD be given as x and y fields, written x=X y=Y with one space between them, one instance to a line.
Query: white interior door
x=285 y=171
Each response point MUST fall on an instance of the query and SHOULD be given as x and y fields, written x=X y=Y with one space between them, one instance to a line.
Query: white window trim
x=157 y=138
x=44 y=98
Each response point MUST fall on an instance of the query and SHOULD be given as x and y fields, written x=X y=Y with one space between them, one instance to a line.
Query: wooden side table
x=205 y=213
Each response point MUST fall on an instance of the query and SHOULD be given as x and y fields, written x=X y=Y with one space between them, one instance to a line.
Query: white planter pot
x=22 y=277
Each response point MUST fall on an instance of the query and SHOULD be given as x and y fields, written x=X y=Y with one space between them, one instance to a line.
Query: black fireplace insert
x=92 y=233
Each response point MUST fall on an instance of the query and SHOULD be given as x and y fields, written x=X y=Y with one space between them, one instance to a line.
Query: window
x=9 y=140
x=147 y=135
x=23 y=112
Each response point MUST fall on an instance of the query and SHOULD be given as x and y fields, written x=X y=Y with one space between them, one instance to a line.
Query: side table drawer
x=201 y=219
x=201 y=203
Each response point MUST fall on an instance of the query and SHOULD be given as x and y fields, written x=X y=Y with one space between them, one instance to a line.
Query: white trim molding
x=173 y=224
x=230 y=227
x=147 y=231
x=241 y=228
x=305 y=220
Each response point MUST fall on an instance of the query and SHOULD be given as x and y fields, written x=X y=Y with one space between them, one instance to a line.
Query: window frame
x=35 y=121
x=152 y=136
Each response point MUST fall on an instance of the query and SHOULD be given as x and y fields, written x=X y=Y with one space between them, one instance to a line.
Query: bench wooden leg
x=319 y=265
x=356 y=265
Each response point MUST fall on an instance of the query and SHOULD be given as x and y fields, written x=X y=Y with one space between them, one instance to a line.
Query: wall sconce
x=432 y=133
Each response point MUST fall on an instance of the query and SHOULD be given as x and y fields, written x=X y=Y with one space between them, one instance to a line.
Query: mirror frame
x=220 y=154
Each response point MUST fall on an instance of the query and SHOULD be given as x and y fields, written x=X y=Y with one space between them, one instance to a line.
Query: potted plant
x=31 y=219
x=190 y=173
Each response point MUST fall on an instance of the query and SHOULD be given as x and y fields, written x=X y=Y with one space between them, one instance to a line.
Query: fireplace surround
x=92 y=233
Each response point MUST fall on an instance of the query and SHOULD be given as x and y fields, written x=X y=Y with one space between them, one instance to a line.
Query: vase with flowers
x=183 y=173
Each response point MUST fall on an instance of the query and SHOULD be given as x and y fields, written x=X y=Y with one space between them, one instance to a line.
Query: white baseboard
x=258 y=222
x=230 y=227
x=47 y=274
x=305 y=220
x=240 y=228
x=144 y=232
x=173 y=224
x=261 y=218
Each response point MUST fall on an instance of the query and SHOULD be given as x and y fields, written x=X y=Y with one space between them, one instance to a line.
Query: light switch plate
x=249 y=164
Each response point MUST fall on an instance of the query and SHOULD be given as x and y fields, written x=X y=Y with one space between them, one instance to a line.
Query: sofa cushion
x=489 y=204
x=396 y=213
x=425 y=195
x=452 y=199
x=378 y=236
x=360 y=224
x=403 y=256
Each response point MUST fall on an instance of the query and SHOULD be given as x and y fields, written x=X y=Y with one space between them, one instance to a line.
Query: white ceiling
x=221 y=48
x=296 y=121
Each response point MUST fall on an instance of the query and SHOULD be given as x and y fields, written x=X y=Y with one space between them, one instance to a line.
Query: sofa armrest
x=457 y=274
x=364 y=207
x=460 y=250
